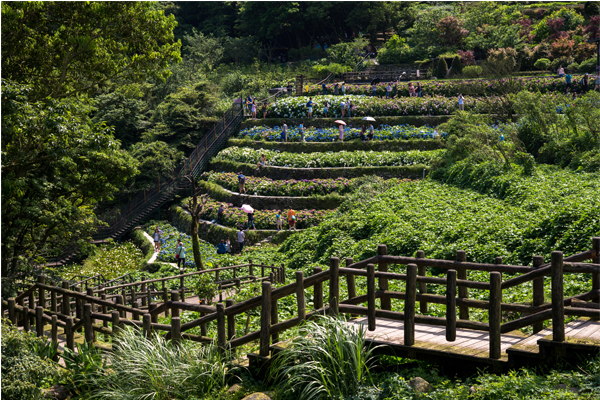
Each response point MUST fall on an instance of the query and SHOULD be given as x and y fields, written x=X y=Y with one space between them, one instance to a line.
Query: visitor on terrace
x=253 y=109
x=597 y=82
x=419 y=90
x=335 y=89
x=374 y=89
x=249 y=102
x=370 y=135
x=363 y=130
x=220 y=214
x=291 y=219
x=241 y=237
x=568 y=79
x=251 y=221
x=388 y=91
x=395 y=91
x=341 y=129
x=156 y=240
x=301 y=131
x=310 y=107
x=324 y=88
x=221 y=247
x=349 y=106
x=261 y=162
x=264 y=109
x=284 y=132
x=343 y=88
x=343 y=108
x=561 y=71
x=461 y=102
x=241 y=182
x=411 y=89
x=325 y=109
x=228 y=245
x=585 y=83
x=180 y=254
x=278 y=221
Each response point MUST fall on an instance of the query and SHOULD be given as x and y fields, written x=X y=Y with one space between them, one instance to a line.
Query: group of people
x=251 y=107
x=391 y=91
x=585 y=80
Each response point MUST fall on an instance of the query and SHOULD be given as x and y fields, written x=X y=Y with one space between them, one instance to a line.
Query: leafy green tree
x=155 y=159
x=65 y=48
x=441 y=69
x=456 y=66
x=346 y=53
x=56 y=166
x=195 y=207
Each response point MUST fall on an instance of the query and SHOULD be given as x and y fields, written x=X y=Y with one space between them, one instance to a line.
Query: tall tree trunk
x=196 y=244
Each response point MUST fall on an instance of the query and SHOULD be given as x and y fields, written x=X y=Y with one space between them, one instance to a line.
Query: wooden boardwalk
x=472 y=344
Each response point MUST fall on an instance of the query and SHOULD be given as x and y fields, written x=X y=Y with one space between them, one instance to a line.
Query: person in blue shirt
x=324 y=88
x=310 y=106
x=221 y=247
x=568 y=80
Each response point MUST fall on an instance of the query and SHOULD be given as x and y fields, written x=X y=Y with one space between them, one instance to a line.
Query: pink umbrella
x=339 y=122
x=247 y=209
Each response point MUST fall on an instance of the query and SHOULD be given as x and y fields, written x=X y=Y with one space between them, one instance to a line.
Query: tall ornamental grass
x=328 y=360
x=155 y=369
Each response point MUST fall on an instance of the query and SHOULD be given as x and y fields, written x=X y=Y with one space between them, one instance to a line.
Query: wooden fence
x=89 y=307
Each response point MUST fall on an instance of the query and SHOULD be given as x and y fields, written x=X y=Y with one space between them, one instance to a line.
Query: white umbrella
x=368 y=119
x=340 y=122
x=247 y=209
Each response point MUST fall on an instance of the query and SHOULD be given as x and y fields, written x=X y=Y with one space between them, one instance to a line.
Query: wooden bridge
x=412 y=333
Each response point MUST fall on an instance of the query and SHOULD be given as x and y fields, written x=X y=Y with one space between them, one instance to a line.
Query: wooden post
x=104 y=309
x=165 y=297
x=538 y=292
x=262 y=271
x=65 y=306
x=149 y=296
x=147 y=325
x=274 y=319
x=558 y=306
x=272 y=277
x=463 y=292
x=31 y=307
x=203 y=331
x=133 y=299
x=124 y=296
x=69 y=334
x=116 y=323
x=41 y=292
x=26 y=324
x=54 y=329
x=410 y=304
x=386 y=303
x=265 y=319
x=371 y=306
x=154 y=316
x=53 y=301
x=451 y=305
x=12 y=311
x=176 y=330
x=495 y=314
x=596 y=260
x=300 y=295
x=334 y=286
x=174 y=297
x=78 y=307
x=182 y=284
x=39 y=321
x=87 y=323
x=350 y=281
x=143 y=290
x=318 y=290
x=230 y=321
x=283 y=273
x=221 y=330
x=250 y=268
x=20 y=302
x=121 y=302
x=90 y=292
x=422 y=271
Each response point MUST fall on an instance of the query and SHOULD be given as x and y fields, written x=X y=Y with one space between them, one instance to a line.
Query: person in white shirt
x=241 y=237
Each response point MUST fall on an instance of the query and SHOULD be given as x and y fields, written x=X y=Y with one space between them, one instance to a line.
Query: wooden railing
x=88 y=307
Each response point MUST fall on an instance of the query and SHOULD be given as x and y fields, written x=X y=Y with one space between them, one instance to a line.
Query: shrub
x=588 y=65
x=24 y=373
x=456 y=66
x=156 y=369
x=472 y=71
x=542 y=64
x=442 y=69
x=328 y=359
x=573 y=67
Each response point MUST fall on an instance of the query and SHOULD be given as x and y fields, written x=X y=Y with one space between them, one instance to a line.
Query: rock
x=257 y=396
x=564 y=387
x=419 y=385
x=472 y=390
x=234 y=388
x=57 y=392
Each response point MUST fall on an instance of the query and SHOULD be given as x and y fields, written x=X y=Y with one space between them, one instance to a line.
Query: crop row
x=480 y=87
x=289 y=187
x=235 y=217
x=313 y=134
x=358 y=158
x=363 y=106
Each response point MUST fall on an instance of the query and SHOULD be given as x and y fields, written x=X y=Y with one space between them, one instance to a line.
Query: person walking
x=335 y=89
x=585 y=83
x=324 y=88
x=395 y=90
x=374 y=89
x=371 y=132
x=343 y=88
x=284 y=132
x=253 y=109
x=561 y=71
x=278 y=221
x=411 y=89
x=291 y=219
x=325 y=109
x=388 y=91
x=568 y=79
x=461 y=102
x=343 y=108
x=301 y=132
x=180 y=254
x=220 y=214
x=264 y=110
x=310 y=107
x=249 y=102
x=419 y=89
x=363 y=130
x=341 y=129
x=241 y=182
x=156 y=240
x=241 y=237
x=349 y=106
x=251 y=221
